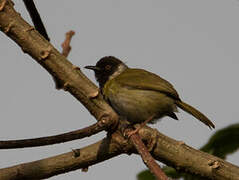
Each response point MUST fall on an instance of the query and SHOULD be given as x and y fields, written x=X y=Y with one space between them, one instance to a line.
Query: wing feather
x=141 y=79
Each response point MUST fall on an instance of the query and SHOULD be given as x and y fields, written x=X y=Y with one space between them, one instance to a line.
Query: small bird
x=138 y=95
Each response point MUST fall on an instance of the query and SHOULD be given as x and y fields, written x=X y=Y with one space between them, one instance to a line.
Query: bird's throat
x=121 y=68
x=104 y=79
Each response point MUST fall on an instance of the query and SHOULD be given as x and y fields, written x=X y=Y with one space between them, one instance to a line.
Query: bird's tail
x=191 y=110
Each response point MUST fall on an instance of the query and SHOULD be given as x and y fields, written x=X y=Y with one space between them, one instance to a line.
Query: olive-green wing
x=141 y=79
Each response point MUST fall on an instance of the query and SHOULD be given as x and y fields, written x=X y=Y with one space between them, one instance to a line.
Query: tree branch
x=36 y=18
x=66 y=48
x=79 y=158
x=167 y=150
x=148 y=160
x=70 y=77
x=49 y=140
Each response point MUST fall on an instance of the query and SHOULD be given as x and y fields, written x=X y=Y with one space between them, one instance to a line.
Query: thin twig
x=167 y=150
x=36 y=18
x=49 y=140
x=66 y=48
x=145 y=155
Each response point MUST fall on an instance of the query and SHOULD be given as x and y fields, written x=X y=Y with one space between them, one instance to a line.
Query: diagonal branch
x=141 y=148
x=146 y=156
x=45 y=56
x=70 y=77
x=36 y=18
x=66 y=48
x=166 y=150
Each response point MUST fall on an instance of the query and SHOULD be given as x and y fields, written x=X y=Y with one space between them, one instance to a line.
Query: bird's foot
x=152 y=140
x=130 y=133
x=141 y=126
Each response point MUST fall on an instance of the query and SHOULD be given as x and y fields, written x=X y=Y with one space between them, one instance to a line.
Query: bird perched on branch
x=138 y=95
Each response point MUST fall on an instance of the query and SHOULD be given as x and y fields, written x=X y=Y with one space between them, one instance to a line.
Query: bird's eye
x=107 y=67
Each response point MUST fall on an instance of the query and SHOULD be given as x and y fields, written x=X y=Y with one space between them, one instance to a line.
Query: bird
x=138 y=95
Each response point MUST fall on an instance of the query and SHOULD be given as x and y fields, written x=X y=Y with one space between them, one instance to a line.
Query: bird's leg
x=141 y=126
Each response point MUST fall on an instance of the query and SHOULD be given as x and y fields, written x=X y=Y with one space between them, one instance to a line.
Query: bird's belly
x=138 y=105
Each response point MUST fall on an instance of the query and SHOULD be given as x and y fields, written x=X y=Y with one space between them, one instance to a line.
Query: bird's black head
x=107 y=68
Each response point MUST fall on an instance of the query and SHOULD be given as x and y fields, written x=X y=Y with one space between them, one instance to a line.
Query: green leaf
x=145 y=175
x=225 y=141
x=171 y=172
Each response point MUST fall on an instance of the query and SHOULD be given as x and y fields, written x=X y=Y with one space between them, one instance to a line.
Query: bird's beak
x=94 y=68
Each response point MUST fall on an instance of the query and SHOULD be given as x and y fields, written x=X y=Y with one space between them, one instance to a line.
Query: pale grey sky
x=193 y=44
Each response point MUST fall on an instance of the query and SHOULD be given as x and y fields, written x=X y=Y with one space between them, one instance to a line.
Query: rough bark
x=167 y=150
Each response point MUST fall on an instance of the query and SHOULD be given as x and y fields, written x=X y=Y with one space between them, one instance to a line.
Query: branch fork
x=164 y=149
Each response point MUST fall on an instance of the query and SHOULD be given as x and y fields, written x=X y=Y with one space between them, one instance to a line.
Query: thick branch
x=54 y=62
x=167 y=150
x=79 y=158
x=48 y=58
